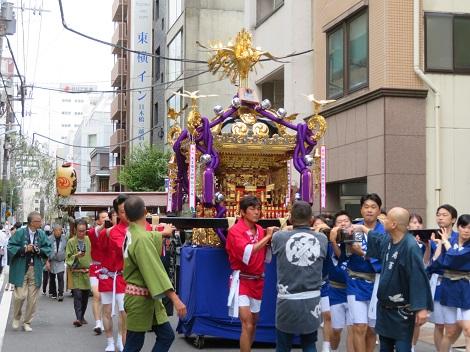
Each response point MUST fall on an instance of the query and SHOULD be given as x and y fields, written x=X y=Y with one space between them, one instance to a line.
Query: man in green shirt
x=147 y=282
x=78 y=258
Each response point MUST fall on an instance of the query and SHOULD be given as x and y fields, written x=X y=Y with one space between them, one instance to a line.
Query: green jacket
x=143 y=267
x=17 y=256
x=80 y=280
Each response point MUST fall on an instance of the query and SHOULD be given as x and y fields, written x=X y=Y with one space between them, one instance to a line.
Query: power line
x=39 y=43
x=290 y=55
x=119 y=46
x=90 y=147
x=22 y=33
x=120 y=90
x=19 y=76
x=150 y=54
x=9 y=102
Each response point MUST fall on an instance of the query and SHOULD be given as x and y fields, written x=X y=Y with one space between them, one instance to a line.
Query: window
x=157 y=9
x=265 y=8
x=274 y=90
x=174 y=51
x=447 y=48
x=66 y=113
x=157 y=63
x=348 y=56
x=92 y=140
x=174 y=11
x=174 y=102
x=154 y=131
x=155 y=115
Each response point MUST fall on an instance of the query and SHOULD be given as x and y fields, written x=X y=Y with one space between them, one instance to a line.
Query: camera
x=81 y=247
x=36 y=249
x=343 y=235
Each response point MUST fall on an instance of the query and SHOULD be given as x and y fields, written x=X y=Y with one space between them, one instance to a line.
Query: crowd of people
x=117 y=262
x=371 y=277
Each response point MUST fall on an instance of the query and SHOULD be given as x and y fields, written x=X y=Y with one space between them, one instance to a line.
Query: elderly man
x=57 y=263
x=28 y=250
x=404 y=295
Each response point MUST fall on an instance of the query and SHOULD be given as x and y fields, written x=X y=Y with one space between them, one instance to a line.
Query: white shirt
x=3 y=239
x=31 y=236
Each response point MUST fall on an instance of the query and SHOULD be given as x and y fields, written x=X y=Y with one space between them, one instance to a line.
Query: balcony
x=119 y=73
x=119 y=107
x=119 y=10
x=113 y=177
x=119 y=37
x=116 y=141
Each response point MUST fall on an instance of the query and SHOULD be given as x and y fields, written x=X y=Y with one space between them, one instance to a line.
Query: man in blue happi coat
x=404 y=295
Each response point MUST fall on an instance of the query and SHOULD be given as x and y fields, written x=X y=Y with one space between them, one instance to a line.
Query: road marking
x=4 y=310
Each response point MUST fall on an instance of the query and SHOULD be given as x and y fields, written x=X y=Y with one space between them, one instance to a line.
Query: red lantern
x=66 y=180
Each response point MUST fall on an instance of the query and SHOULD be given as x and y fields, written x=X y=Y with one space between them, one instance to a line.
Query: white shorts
x=254 y=304
x=325 y=304
x=107 y=298
x=437 y=316
x=453 y=314
x=93 y=281
x=340 y=316
x=359 y=311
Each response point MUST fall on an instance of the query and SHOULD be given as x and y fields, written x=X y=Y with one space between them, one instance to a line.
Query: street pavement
x=53 y=331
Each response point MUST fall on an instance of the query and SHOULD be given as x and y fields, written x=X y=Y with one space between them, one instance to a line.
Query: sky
x=47 y=54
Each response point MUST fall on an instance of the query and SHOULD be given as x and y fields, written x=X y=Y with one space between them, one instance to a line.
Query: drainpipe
x=437 y=95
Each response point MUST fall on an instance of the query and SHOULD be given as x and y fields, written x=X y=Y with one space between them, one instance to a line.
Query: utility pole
x=7 y=27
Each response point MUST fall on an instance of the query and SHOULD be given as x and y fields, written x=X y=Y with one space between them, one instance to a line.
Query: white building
x=30 y=201
x=188 y=22
x=282 y=27
x=447 y=64
x=94 y=131
x=60 y=115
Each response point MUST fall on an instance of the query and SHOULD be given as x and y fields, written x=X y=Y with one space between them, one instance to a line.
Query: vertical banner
x=192 y=177
x=323 y=177
x=169 y=195
x=289 y=182
x=140 y=69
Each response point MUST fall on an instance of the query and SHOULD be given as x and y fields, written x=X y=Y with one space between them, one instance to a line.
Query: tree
x=33 y=166
x=146 y=170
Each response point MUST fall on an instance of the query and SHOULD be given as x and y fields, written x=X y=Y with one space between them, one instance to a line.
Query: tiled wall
x=390 y=42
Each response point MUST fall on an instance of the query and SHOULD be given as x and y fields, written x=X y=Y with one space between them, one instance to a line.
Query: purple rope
x=274 y=118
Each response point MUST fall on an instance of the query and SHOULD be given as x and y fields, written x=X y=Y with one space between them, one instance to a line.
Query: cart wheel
x=199 y=342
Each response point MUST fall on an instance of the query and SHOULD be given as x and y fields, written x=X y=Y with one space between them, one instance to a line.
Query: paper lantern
x=66 y=180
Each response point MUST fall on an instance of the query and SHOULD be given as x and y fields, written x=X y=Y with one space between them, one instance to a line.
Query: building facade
x=91 y=136
x=146 y=85
x=189 y=22
x=61 y=115
x=445 y=60
x=381 y=129
x=290 y=23
x=121 y=101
